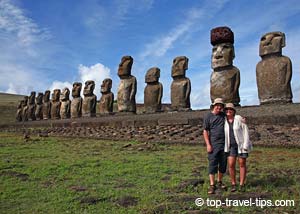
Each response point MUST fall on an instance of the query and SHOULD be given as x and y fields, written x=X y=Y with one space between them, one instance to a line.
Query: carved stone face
x=76 y=89
x=89 y=88
x=47 y=96
x=25 y=100
x=55 y=95
x=180 y=65
x=152 y=75
x=125 y=66
x=39 y=99
x=32 y=98
x=106 y=85
x=271 y=43
x=222 y=55
x=64 y=95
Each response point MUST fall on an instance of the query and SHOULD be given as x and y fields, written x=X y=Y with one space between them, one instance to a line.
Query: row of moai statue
x=60 y=106
x=273 y=74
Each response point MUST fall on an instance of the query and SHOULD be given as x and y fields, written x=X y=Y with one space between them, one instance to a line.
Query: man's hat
x=218 y=101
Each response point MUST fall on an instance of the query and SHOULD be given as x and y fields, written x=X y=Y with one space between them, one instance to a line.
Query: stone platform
x=269 y=125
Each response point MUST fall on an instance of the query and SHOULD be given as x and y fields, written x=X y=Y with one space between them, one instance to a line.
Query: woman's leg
x=231 y=166
x=243 y=170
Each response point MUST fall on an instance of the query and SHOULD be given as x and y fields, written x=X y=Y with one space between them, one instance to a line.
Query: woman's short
x=234 y=153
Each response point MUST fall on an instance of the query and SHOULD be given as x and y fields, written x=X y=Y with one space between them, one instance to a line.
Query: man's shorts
x=217 y=160
x=234 y=153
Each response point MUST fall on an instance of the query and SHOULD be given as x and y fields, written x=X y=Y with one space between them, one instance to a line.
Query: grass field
x=8 y=107
x=63 y=175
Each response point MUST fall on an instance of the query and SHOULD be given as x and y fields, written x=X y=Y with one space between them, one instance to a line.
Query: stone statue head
x=106 y=85
x=47 y=96
x=125 y=66
x=25 y=100
x=180 y=65
x=76 y=89
x=272 y=42
x=20 y=104
x=222 y=39
x=65 y=94
x=32 y=98
x=39 y=98
x=89 y=88
x=55 y=95
x=152 y=75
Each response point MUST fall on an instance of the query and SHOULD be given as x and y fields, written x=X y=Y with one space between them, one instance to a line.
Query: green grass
x=72 y=175
x=8 y=107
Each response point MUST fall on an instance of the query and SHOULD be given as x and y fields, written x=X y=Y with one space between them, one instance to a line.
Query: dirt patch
x=124 y=185
x=271 y=179
x=78 y=188
x=14 y=174
x=166 y=178
x=90 y=200
x=127 y=201
x=142 y=147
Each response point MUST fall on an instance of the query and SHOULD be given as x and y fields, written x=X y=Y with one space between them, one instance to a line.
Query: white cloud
x=13 y=21
x=60 y=85
x=97 y=72
x=20 y=55
x=200 y=96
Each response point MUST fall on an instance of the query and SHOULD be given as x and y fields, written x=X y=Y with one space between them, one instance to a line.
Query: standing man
x=214 y=137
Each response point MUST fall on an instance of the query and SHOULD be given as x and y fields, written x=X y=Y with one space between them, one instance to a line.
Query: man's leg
x=222 y=163
x=212 y=170
x=212 y=179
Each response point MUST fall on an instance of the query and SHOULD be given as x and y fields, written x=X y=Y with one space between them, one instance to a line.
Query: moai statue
x=127 y=86
x=39 y=106
x=19 y=111
x=65 y=106
x=76 y=103
x=274 y=71
x=89 y=100
x=25 y=109
x=153 y=91
x=55 y=104
x=46 y=105
x=107 y=99
x=31 y=106
x=181 y=85
x=225 y=78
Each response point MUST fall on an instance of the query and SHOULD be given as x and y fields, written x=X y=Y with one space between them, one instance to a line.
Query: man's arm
x=207 y=141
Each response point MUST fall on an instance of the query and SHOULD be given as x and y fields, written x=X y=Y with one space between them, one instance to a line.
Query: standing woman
x=237 y=145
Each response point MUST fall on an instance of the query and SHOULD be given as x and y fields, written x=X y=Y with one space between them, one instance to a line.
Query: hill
x=8 y=107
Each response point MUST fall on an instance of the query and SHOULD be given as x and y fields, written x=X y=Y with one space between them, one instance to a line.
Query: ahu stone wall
x=269 y=125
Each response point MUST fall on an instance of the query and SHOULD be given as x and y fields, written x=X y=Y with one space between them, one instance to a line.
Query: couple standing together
x=227 y=139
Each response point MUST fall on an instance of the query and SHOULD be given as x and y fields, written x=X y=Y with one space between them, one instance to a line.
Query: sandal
x=222 y=186
x=212 y=189
x=233 y=188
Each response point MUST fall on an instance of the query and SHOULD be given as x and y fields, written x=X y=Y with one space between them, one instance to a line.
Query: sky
x=52 y=43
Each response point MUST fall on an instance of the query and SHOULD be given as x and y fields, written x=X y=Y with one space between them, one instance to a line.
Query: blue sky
x=51 y=44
